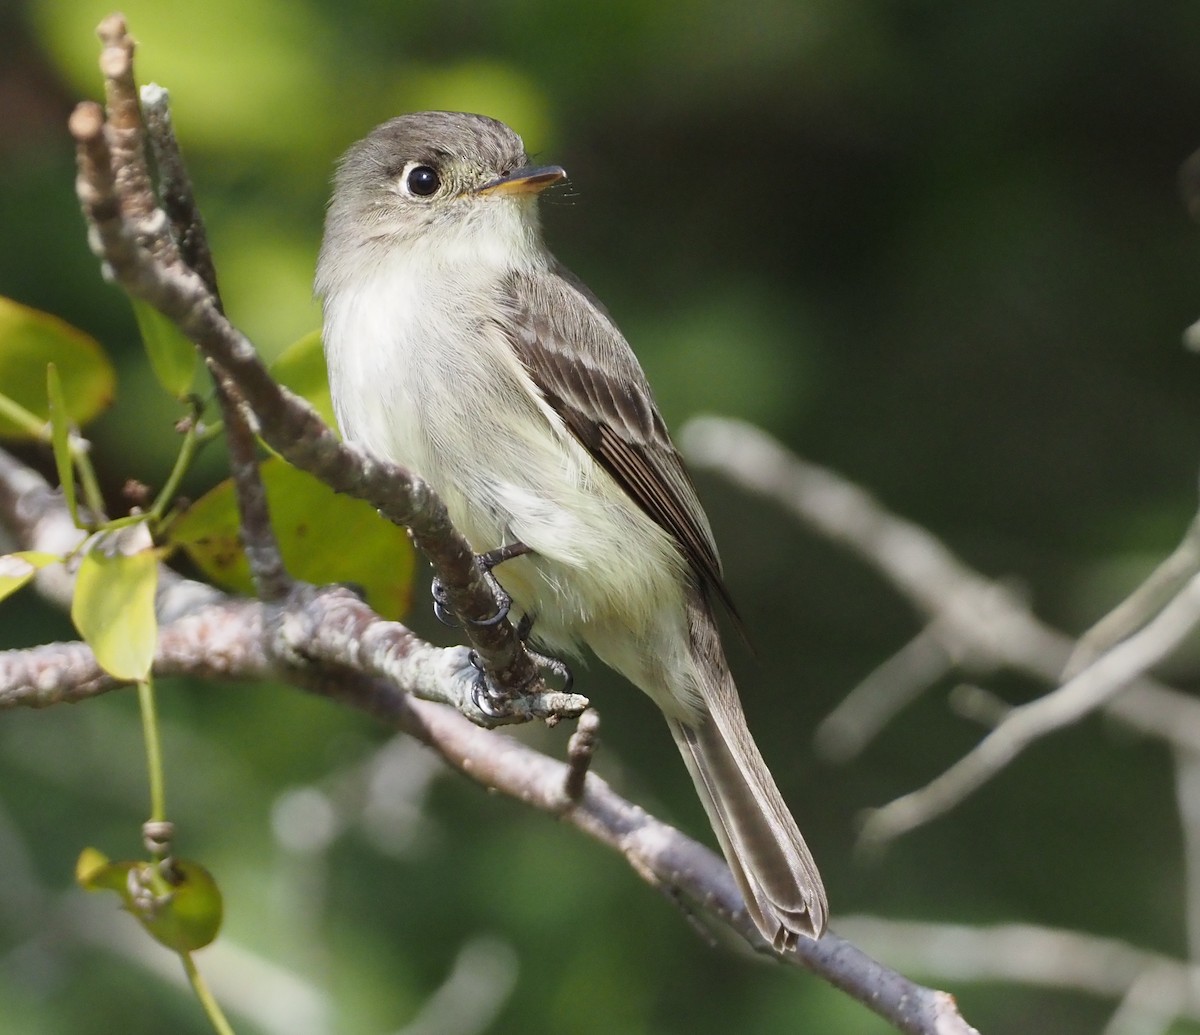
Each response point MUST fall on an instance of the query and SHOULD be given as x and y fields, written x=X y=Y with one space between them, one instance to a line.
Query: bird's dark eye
x=423 y=180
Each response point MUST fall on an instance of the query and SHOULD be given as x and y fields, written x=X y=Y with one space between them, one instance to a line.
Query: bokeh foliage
x=936 y=246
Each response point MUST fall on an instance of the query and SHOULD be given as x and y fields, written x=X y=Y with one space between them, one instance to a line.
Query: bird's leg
x=546 y=661
x=490 y=698
x=485 y=562
x=493 y=699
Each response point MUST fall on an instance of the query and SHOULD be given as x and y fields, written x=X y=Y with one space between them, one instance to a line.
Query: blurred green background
x=938 y=247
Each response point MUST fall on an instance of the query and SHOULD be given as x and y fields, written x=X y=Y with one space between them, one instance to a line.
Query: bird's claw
x=441 y=603
x=447 y=615
x=490 y=698
x=555 y=665
x=485 y=562
x=493 y=700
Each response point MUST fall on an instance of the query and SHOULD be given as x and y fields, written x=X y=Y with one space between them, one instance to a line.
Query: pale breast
x=421 y=377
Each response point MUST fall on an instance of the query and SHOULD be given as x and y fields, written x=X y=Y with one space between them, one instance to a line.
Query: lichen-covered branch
x=328 y=641
x=128 y=231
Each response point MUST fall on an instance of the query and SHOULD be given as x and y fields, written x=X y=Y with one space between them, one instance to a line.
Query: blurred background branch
x=974 y=625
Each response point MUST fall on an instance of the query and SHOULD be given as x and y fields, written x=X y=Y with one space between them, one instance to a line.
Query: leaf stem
x=154 y=763
x=211 y=1007
x=187 y=452
x=82 y=459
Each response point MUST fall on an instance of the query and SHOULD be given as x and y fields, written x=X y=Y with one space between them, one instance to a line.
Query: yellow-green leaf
x=172 y=357
x=29 y=339
x=13 y=413
x=189 y=917
x=17 y=569
x=113 y=609
x=178 y=903
x=324 y=538
x=94 y=871
x=301 y=367
x=60 y=437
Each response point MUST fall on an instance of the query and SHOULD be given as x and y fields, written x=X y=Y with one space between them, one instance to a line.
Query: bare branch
x=921 y=567
x=482 y=979
x=669 y=859
x=190 y=239
x=1139 y=606
x=1187 y=800
x=1093 y=687
x=277 y=1001
x=128 y=232
x=979 y=624
x=175 y=189
x=580 y=750
x=271 y=579
x=871 y=705
x=1026 y=954
x=34 y=513
x=324 y=640
x=1151 y=1006
x=328 y=641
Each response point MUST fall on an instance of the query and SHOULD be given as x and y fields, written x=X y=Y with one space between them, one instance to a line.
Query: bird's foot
x=485 y=562
x=494 y=700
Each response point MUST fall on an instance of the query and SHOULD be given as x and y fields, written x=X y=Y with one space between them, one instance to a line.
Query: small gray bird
x=461 y=349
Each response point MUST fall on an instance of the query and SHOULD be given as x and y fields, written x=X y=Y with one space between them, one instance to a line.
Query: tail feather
x=772 y=865
x=762 y=844
x=766 y=852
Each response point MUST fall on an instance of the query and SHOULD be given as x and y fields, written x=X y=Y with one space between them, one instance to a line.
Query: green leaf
x=17 y=569
x=13 y=413
x=113 y=609
x=60 y=437
x=178 y=903
x=189 y=917
x=30 y=339
x=95 y=872
x=173 y=358
x=301 y=367
x=324 y=537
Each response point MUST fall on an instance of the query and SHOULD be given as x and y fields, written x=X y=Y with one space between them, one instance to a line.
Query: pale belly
x=601 y=572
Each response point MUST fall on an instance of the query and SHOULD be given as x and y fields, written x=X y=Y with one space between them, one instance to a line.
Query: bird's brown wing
x=588 y=374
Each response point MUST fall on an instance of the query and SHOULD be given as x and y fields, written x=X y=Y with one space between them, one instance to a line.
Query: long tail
x=762 y=844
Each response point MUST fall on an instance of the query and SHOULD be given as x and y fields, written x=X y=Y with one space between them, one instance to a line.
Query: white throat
x=402 y=317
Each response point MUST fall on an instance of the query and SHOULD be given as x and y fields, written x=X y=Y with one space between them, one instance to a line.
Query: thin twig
x=175 y=190
x=1187 y=801
x=1150 y=1007
x=189 y=249
x=1022 y=726
x=1139 y=606
x=1027 y=954
x=118 y=226
x=271 y=580
x=581 y=748
x=871 y=705
x=981 y=624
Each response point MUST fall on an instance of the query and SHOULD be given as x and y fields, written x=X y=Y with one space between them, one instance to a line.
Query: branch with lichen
x=132 y=236
x=327 y=641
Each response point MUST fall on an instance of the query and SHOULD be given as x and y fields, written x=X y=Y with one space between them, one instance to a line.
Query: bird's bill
x=525 y=181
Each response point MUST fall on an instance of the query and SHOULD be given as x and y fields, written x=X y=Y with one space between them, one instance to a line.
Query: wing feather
x=588 y=374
